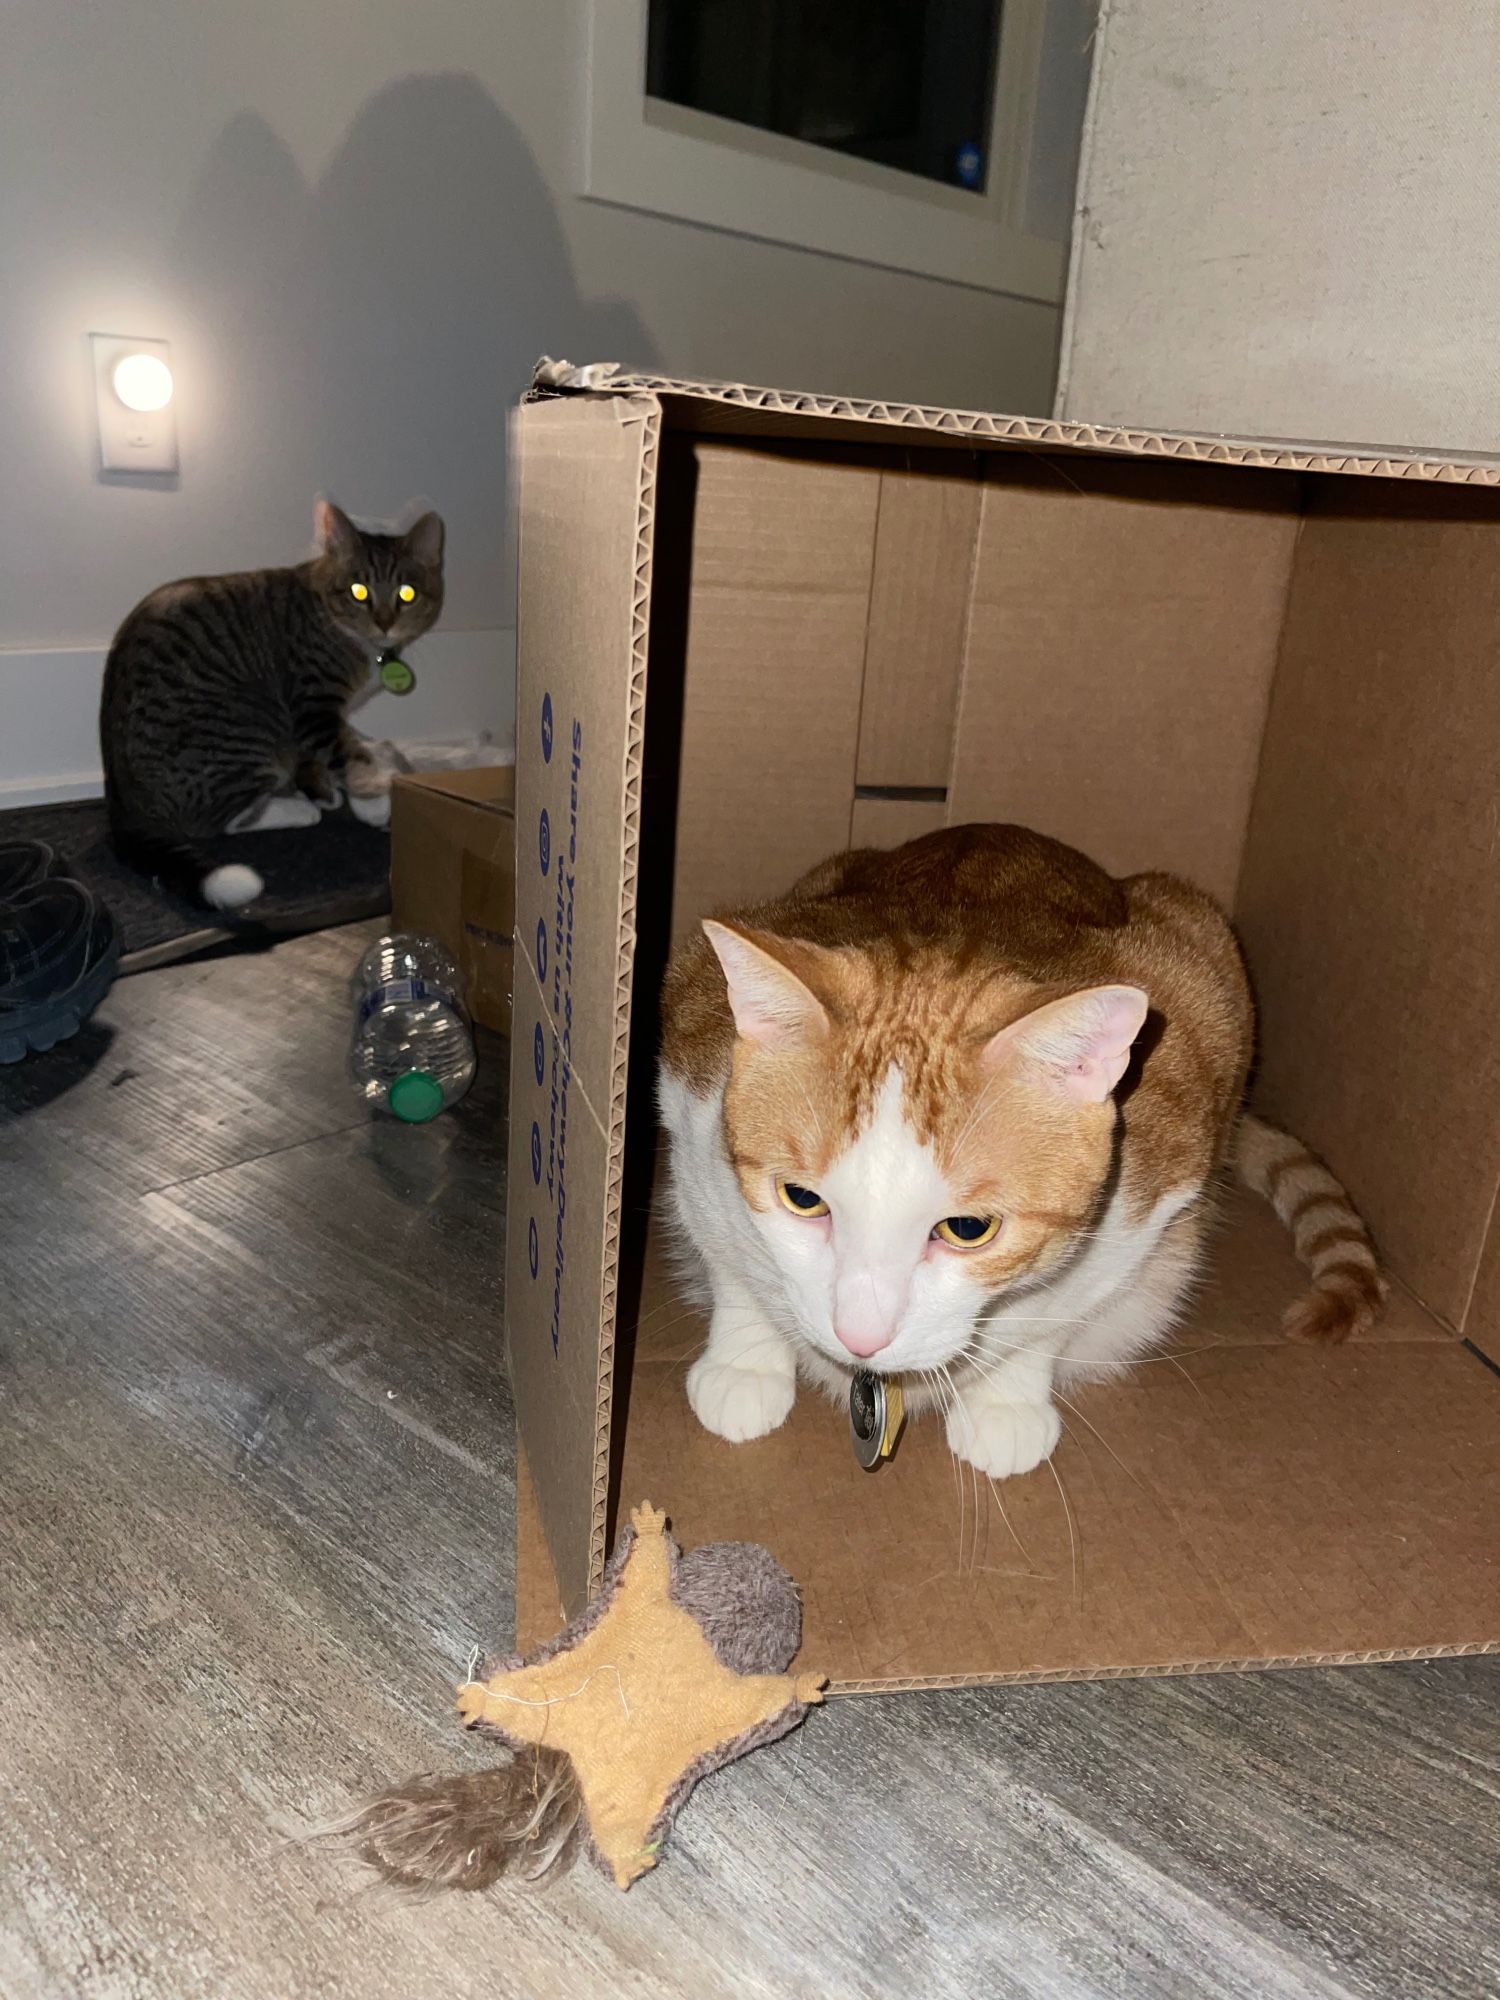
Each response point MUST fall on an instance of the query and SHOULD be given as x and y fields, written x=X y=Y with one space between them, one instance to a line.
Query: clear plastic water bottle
x=412 y=1053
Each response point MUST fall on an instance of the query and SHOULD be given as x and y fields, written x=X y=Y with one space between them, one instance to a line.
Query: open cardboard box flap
x=1267 y=667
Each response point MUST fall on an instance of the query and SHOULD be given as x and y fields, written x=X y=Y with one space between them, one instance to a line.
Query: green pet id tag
x=396 y=677
x=877 y=1410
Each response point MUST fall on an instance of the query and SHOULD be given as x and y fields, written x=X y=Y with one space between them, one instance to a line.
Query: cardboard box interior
x=753 y=632
x=453 y=845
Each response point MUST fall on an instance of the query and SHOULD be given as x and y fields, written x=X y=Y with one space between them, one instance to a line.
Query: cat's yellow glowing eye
x=967 y=1232
x=407 y=594
x=359 y=592
x=800 y=1200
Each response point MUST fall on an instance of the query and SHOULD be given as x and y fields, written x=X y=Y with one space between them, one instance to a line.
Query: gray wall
x=354 y=220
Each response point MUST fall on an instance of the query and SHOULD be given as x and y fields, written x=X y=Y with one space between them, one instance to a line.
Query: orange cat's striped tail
x=1348 y=1290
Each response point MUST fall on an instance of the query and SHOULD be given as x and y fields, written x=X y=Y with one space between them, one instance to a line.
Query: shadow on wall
x=368 y=334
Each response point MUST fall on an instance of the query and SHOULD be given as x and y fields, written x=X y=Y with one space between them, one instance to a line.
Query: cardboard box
x=755 y=626
x=453 y=875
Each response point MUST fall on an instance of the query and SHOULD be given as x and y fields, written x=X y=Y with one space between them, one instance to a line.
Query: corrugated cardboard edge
x=558 y=378
x=646 y=410
x=1174 y=1670
x=1078 y=240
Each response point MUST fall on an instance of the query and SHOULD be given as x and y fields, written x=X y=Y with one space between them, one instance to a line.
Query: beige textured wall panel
x=1286 y=223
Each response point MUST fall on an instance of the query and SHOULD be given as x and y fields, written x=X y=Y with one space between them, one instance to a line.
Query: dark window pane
x=904 y=82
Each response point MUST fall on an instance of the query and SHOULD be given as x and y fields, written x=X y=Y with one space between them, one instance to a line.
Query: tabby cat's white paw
x=1000 y=1437
x=738 y=1402
x=274 y=814
x=374 y=811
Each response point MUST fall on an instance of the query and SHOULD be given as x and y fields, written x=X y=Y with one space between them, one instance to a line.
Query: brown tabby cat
x=226 y=697
x=952 y=1113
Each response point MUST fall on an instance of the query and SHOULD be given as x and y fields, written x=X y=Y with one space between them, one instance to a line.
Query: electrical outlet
x=135 y=396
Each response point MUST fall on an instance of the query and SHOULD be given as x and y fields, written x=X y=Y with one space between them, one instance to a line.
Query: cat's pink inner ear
x=770 y=1004
x=1082 y=1041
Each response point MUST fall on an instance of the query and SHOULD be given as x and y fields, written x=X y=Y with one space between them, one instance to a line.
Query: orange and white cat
x=952 y=1113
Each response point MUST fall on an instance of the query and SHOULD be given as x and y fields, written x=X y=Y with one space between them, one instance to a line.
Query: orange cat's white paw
x=1002 y=1438
x=739 y=1402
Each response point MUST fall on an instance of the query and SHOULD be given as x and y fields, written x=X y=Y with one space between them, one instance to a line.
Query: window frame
x=666 y=159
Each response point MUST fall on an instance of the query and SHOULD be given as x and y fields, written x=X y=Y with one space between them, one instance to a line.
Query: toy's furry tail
x=466 y=1831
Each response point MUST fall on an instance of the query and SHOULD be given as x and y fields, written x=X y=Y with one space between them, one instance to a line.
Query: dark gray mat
x=334 y=873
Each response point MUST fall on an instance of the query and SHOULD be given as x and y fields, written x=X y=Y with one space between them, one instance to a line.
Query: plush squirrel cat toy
x=676 y=1668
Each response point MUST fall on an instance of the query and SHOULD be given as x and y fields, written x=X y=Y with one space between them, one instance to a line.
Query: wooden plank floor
x=256 y=1491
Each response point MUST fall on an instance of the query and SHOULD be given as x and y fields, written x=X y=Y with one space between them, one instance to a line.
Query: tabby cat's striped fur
x=226 y=697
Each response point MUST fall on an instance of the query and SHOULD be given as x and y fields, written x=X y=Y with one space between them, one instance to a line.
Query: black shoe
x=58 y=953
x=23 y=863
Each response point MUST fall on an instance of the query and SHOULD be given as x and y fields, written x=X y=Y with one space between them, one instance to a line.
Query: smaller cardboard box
x=453 y=875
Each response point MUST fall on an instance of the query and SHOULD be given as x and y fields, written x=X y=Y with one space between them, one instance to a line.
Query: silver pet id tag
x=877 y=1410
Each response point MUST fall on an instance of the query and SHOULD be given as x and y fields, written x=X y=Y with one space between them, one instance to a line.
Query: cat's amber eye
x=967 y=1232
x=407 y=594
x=359 y=592
x=800 y=1200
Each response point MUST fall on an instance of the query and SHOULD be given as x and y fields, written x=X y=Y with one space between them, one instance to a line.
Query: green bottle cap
x=395 y=675
x=415 y=1097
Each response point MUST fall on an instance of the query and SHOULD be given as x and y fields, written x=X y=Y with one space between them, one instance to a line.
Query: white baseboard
x=49 y=710
x=55 y=791
x=49 y=726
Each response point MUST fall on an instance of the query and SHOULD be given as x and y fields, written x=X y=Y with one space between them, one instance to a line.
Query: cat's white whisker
x=945 y=1392
x=770 y=1343
x=645 y=1324
x=1068 y=1404
x=934 y=1384
x=1062 y=1494
x=1000 y=1504
x=1196 y=1387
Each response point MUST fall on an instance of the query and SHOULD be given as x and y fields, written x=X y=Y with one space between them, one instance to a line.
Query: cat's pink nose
x=867 y=1309
x=863 y=1340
